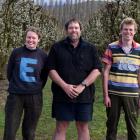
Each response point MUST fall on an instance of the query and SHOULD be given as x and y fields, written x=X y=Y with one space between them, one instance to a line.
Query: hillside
x=81 y=10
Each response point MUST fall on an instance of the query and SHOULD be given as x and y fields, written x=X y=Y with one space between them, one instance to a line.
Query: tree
x=103 y=27
x=16 y=16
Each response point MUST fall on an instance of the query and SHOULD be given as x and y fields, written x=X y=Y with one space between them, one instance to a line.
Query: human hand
x=107 y=101
x=70 y=90
x=79 y=89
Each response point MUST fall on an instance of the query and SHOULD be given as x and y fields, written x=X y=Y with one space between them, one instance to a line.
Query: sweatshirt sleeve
x=10 y=65
x=44 y=73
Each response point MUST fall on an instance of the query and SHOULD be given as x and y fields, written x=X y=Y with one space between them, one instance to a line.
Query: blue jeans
x=31 y=105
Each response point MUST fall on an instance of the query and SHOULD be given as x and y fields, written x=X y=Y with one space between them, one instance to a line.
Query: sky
x=73 y=0
x=59 y=0
x=53 y=1
x=62 y=0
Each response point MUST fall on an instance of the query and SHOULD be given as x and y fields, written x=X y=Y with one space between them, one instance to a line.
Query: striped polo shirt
x=123 y=76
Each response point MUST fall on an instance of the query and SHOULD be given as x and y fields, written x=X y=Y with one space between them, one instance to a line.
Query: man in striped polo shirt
x=121 y=80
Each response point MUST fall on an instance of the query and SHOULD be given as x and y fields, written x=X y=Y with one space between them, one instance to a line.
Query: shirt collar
x=29 y=49
x=134 y=44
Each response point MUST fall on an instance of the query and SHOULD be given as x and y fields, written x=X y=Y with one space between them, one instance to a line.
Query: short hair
x=129 y=21
x=34 y=29
x=73 y=20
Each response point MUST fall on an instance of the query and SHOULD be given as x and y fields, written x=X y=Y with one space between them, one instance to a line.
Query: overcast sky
x=48 y=1
x=61 y=0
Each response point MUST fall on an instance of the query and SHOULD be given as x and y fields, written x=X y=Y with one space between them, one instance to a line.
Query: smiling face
x=128 y=32
x=73 y=31
x=31 y=40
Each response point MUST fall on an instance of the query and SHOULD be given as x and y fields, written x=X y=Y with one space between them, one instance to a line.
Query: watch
x=84 y=83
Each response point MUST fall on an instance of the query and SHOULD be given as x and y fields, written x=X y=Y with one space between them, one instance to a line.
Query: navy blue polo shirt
x=73 y=66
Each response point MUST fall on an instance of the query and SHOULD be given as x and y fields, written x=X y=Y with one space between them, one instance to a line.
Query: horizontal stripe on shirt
x=122 y=84
x=123 y=94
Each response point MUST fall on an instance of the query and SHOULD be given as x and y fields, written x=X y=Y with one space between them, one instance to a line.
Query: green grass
x=97 y=126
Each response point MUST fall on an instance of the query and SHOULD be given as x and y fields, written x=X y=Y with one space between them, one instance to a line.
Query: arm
x=68 y=88
x=139 y=85
x=88 y=81
x=44 y=76
x=10 y=66
x=92 y=77
x=94 y=73
x=139 y=77
x=105 y=78
x=44 y=72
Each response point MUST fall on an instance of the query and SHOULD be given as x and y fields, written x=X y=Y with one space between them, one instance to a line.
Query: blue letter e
x=24 y=69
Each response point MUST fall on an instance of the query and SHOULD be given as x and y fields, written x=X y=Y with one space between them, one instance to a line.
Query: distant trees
x=103 y=27
x=15 y=16
x=80 y=9
x=100 y=19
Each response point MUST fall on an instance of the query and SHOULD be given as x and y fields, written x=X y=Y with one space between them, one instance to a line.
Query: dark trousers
x=16 y=105
x=130 y=108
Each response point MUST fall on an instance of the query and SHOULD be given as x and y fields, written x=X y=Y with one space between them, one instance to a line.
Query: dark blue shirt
x=26 y=71
x=73 y=66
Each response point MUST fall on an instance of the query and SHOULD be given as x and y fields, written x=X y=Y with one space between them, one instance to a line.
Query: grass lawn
x=47 y=124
